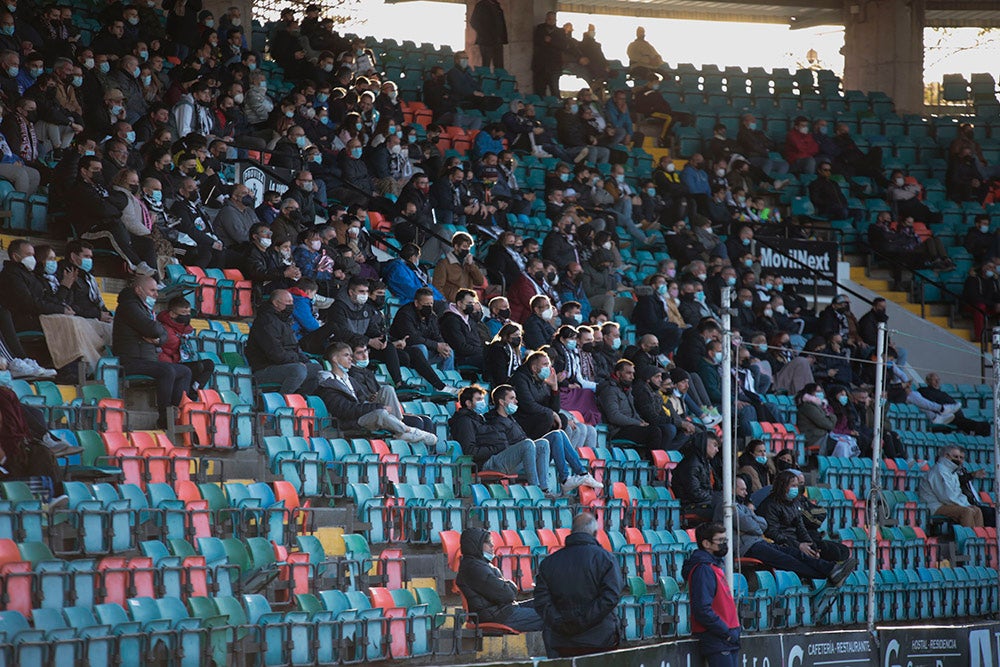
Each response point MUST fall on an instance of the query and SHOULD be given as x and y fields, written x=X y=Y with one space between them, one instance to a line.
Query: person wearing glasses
x=714 y=619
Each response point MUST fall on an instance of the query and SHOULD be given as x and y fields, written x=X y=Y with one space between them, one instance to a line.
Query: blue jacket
x=462 y=83
x=307 y=259
x=702 y=590
x=403 y=281
x=303 y=321
x=695 y=180
x=485 y=143
x=617 y=118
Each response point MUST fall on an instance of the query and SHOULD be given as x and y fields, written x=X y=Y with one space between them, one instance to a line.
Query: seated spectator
x=498 y=445
x=354 y=409
x=650 y=390
x=313 y=335
x=465 y=89
x=851 y=161
x=540 y=411
x=503 y=354
x=205 y=248
x=900 y=390
x=487 y=594
x=618 y=407
x=941 y=489
x=827 y=197
x=756 y=147
x=814 y=417
x=538 y=328
x=920 y=252
x=236 y=217
x=137 y=334
x=932 y=392
x=417 y=324
x=963 y=180
x=576 y=393
x=801 y=148
x=797 y=370
x=499 y=309
x=905 y=194
x=177 y=348
x=263 y=264
x=404 y=276
x=273 y=350
x=460 y=330
x=755 y=467
x=695 y=481
x=458 y=269
x=750 y=530
x=979 y=240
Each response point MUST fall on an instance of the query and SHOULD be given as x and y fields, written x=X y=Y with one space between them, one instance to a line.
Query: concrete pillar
x=884 y=50
x=522 y=17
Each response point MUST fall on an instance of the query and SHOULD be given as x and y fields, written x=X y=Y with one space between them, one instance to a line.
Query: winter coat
x=132 y=324
x=478 y=439
x=271 y=341
x=537 y=404
x=784 y=522
x=701 y=571
x=486 y=592
x=617 y=406
x=693 y=481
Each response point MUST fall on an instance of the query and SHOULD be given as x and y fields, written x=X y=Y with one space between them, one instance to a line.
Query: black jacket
x=365 y=382
x=463 y=338
x=649 y=404
x=78 y=296
x=496 y=361
x=477 y=438
x=605 y=359
x=577 y=591
x=536 y=403
x=344 y=407
x=93 y=205
x=537 y=332
x=133 y=322
x=486 y=592
x=559 y=250
x=649 y=315
x=26 y=297
x=690 y=351
x=264 y=269
x=500 y=266
x=271 y=341
x=868 y=327
x=351 y=320
x=692 y=479
x=421 y=330
x=784 y=522
x=617 y=406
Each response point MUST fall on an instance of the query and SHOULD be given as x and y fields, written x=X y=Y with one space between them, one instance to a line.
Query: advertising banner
x=821 y=256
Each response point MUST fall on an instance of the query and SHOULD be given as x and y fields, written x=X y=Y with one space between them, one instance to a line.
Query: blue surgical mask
x=489 y=557
x=322 y=97
x=251 y=66
x=748 y=304
x=746 y=241
x=87 y=264
x=50 y=267
x=36 y=72
x=130 y=136
x=761 y=460
x=616 y=343
x=762 y=347
x=718 y=357
x=116 y=109
x=88 y=153
x=289 y=114
x=842 y=399
x=731 y=281
x=752 y=126
x=136 y=72
x=748 y=263
x=544 y=373
x=151 y=301
x=156 y=196
x=144 y=56
x=480 y=407
x=300 y=141
x=699 y=297
x=793 y=493
x=511 y=409
x=358 y=126
x=317 y=158
x=7 y=30
x=661 y=288
x=571 y=344
x=12 y=71
x=564 y=177
x=651 y=192
x=362 y=363
x=77 y=81
x=356 y=153
x=105 y=67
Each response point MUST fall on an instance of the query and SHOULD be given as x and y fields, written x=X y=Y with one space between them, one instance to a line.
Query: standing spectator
x=273 y=350
x=714 y=619
x=941 y=489
x=487 y=594
x=135 y=337
x=491 y=32
x=546 y=58
x=177 y=348
x=643 y=58
x=577 y=591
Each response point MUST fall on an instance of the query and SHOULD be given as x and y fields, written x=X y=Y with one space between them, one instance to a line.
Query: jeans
x=580 y=434
x=530 y=456
x=623 y=211
x=443 y=363
x=649 y=437
x=201 y=372
x=804 y=165
x=524 y=618
x=781 y=557
x=564 y=455
x=295 y=378
x=172 y=380
x=381 y=420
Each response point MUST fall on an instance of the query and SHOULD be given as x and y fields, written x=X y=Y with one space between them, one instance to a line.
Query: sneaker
x=20 y=368
x=710 y=419
x=39 y=370
x=144 y=269
x=944 y=417
x=571 y=483
x=58 y=446
x=323 y=302
x=841 y=571
x=951 y=407
x=588 y=480
x=539 y=152
x=448 y=389
x=582 y=155
x=57 y=502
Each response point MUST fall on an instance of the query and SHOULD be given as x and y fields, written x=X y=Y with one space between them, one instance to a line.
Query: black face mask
x=515 y=341
x=475 y=316
x=654 y=351
x=723 y=549
x=247 y=200
x=182 y=319
x=295 y=216
x=503 y=314
x=782 y=464
x=286 y=314
x=468 y=310
x=378 y=301
x=539 y=276
x=551 y=276
x=426 y=311
x=460 y=255
x=587 y=347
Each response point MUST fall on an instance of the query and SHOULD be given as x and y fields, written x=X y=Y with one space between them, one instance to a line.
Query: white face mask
x=546 y=314
x=361 y=299
x=899 y=181
x=606 y=245
x=720 y=172
x=671 y=167
x=28 y=262
x=316 y=245
x=265 y=242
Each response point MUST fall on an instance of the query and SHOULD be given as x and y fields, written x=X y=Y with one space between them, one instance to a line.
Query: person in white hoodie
x=941 y=489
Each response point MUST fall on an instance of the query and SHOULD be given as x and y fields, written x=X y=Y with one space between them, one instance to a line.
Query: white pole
x=874 y=495
x=727 y=429
x=996 y=429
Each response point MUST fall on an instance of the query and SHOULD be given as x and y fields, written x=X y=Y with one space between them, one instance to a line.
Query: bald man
x=273 y=349
x=135 y=336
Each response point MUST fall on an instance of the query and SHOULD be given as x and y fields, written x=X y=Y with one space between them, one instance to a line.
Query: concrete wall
x=522 y=17
x=884 y=49
x=929 y=346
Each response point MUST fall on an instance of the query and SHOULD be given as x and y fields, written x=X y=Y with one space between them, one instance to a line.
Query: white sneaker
x=952 y=407
x=448 y=389
x=944 y=417
x=711 y=420
x=540 y=153
x=41 y=371
x=588 y=480
x=582 y=155
x=571 y=483
x=144 y=269
x=20 y=368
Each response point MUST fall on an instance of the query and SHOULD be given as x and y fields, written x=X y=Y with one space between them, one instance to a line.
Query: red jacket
x=519 y=296
x=170 y=349
x=798 y=146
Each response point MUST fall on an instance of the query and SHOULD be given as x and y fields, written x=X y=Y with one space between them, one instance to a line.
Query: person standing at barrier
x=714 y=619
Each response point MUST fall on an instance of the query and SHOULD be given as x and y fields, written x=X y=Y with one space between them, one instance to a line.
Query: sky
x=696 y=42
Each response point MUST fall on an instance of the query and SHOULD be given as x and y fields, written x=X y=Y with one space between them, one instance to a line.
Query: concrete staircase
x=879 y=281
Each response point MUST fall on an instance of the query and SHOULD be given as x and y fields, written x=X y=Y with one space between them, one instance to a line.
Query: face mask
x=356 y=153
x=503 y=314
x=358 y=126
x=146 y=80
x=571 y=344
x=143 y=55
x=674 y=293
x=731 y=281
x=28 y=262
x=718 y=357
x=752 y=126
x=77 y=81
x=722 y=551
x=7 y=30
x=236 y=23
x=89 y=63
x=289 y=114
x=512 y=408
x=307 y=186
x=130 y=136
x=748 y=263
x=651 y=192
x=564 y=177
x=316 y=245
x=616 y=343
x=671 y=167
x=544 y=373
x=761 y=460
x=361 y=363
x=150 y=302
x=803 y=130
x=361 y=299
x=87 y=264
x=779 y=287
x=36 y=72
x=720 y=172
x=480 y=407
x=356 y=231
x=547 y=313
x=699 y=297
x=50 y=267
x=116 y=109
x=12 y=71
x=899 y=182
x=780 y=309
x=209 y=23
x=748 y=304
x=265 y=242
x=105 y=67
x=182 y=319
x=396 y=149
x=842 y=399
x=793 y=493
x=252 y=67
x=985 y=229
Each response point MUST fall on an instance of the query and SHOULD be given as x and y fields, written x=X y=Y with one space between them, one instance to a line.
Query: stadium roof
x=797 y=13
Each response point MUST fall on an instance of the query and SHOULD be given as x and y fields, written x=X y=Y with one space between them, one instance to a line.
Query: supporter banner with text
x=260 y=180
x=821 y=256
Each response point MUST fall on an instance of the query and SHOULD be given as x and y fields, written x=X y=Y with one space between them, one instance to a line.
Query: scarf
x=29 y=143
x=147 y=217
x=513 y=359
x=587 y=366
x=5 y=151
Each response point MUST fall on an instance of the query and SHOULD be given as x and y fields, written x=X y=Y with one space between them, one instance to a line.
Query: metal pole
x=996 y=425
x=874 y=495
x=727 y=428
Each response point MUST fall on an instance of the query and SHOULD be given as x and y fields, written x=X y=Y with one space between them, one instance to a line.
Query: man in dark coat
x=650 y=314
x=487 y=594
x=491 y=31
x=459 y=328
x=695 y=482
x=273 y=349
x=134 y=339
x=614 y=397
x=577 y=591
x=23 y=294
